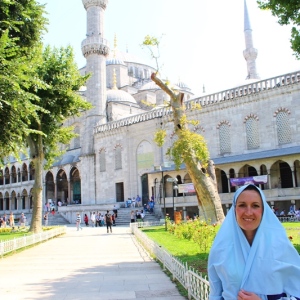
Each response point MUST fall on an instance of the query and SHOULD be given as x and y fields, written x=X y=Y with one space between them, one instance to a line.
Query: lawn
x=188 y=251
x=9 y=234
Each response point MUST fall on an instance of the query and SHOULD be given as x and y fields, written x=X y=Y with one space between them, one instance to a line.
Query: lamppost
x=175 y=189
x=159 y=168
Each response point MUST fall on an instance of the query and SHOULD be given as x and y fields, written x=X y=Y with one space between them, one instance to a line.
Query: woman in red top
x=86 y=220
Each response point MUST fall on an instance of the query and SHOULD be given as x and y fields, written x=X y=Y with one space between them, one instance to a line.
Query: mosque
x=252 y=132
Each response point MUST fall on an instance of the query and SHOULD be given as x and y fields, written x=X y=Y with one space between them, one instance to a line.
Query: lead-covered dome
x=115 y=95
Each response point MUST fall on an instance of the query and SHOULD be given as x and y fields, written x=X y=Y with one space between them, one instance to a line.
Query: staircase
x=123 y=218
x=57 y=219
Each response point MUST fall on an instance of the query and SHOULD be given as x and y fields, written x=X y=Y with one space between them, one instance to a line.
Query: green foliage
x=159 y=137
x=189 y=146
x=198 y=231
x=24 y=21
x=152 y=44
x=21 y=26
x=16 y=101
x=59 y=99
x=287 y=13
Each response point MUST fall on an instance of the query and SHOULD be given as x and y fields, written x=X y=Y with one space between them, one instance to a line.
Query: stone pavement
x=88 y=264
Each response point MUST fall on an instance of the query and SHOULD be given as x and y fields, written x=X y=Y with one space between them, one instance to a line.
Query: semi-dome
x=115 y=61
x=115 y=95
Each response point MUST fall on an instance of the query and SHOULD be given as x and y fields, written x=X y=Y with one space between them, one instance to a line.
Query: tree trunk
x=37 y=156
x=204 y=182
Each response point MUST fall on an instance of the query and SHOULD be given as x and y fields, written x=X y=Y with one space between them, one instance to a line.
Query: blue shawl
x=270 y=266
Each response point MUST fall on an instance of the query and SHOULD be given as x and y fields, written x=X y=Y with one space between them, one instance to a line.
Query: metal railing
x=25 y=241
x=196 y=285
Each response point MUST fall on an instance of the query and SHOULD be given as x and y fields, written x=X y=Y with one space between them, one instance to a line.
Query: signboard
x=186 y=188
x=247 y=180
x=170 y=179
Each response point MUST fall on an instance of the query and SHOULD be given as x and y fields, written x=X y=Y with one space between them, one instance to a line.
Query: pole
x=163 y=191
x=173 y=202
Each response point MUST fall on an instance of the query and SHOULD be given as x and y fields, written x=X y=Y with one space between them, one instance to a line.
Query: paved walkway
x=88 y=264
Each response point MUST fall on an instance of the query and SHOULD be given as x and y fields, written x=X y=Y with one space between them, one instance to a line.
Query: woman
x=86 y=220
x=251 y=257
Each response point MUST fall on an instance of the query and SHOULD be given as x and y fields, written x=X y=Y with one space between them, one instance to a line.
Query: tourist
x=11 y=220
x=252 y=257
x=86 y=220
x=108 y=221
x=22 y=220
x=132 y=216
x=115 y=211
x=138 y=201
x=78 y=222
x=93 y=219
x=46 y=217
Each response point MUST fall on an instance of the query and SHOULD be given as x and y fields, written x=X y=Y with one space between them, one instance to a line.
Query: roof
x=115 y=95
x=256 y=155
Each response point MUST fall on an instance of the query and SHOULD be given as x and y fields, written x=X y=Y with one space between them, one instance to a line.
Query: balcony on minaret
x=95 y=44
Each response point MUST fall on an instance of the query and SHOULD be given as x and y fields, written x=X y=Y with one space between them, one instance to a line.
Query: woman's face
x=249 y=210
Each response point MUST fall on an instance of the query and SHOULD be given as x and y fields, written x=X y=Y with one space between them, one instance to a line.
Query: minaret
x=250 y=53
x=94 y=49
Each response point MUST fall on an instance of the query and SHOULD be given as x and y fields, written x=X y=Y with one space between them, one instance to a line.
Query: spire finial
x=114 y=80
x=115 y=45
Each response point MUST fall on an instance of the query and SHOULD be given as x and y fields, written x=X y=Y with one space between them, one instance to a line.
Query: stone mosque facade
x=252 y=131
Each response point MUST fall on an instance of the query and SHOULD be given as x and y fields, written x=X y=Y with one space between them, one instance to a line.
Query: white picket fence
x=25 y=241
x=196 y=285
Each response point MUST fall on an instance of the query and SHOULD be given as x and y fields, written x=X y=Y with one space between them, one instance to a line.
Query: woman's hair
x=251 y=187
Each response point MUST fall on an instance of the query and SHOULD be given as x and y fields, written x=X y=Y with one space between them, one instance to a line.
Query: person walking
x=108 y=221
x=115 y=211
x=93 y=219
x=78 y=222
x=252 y=257
x=86 y=220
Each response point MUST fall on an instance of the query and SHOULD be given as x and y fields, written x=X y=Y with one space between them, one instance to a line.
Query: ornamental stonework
x=89 y=3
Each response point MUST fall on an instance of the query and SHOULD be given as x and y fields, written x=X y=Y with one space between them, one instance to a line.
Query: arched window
x=252 y=133
x=224 y=137
x=283 y=127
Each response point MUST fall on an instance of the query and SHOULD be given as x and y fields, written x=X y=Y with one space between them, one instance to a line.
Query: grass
x=188 y=251
x=10 y=234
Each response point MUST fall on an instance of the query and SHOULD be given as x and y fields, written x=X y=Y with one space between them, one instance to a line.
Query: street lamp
x=175 y=189
x=159 y=168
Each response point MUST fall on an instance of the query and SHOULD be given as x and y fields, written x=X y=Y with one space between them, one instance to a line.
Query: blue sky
x=203 y=40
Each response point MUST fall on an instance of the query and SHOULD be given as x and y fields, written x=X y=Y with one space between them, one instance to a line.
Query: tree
x=24 y=21
x=287 y=12
x=58 y=100
x=21 y=26
x=190 y=148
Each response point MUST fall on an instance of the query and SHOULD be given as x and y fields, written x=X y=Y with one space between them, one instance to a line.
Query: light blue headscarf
x=271 y=266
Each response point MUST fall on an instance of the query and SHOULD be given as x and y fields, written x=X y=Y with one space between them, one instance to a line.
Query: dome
x=153 y=86
x=125 y=57
x=115 y=61
x=116 y=95
x=183 y=85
